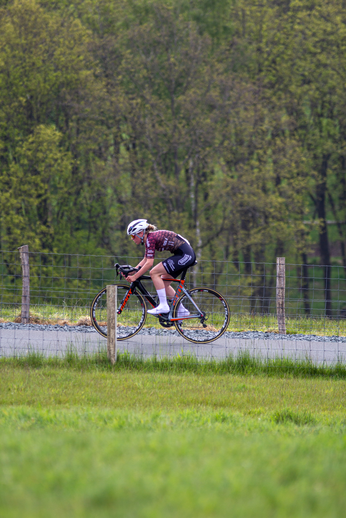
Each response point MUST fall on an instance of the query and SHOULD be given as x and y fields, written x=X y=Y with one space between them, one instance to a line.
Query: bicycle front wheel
x=203 y=320
x=129 y=322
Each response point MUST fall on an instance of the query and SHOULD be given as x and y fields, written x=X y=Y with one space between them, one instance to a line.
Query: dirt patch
x=83 y=321
x=34 y=319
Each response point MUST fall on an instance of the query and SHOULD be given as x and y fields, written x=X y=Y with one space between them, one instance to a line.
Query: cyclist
x=183 y=256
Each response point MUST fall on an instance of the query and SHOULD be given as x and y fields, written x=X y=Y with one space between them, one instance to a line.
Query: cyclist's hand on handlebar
x=125 y=270
x=130 y=278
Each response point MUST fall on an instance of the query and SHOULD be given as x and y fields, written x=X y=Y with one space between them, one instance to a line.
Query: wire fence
x=62 y=287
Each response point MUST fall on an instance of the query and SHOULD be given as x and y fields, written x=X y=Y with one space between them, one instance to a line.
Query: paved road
x=55 y=343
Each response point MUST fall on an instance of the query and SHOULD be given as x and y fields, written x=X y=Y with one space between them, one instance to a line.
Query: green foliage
x=34 y=189
x=223 y=120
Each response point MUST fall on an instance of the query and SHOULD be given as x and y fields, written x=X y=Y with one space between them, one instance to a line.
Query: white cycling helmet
x=137 y=226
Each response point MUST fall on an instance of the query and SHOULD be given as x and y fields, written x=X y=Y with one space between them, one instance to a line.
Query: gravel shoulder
x=231 y=335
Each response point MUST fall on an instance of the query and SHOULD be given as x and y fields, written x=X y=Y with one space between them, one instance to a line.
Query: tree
x=170 y=112
x=47 y=79
x=34 y=191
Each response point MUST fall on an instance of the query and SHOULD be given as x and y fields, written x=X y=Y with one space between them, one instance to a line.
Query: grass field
x=85 y=439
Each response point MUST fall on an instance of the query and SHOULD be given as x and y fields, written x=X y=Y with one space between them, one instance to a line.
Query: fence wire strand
x=62 y=287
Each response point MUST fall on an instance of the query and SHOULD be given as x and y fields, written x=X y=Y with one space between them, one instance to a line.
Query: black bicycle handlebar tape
x=125 y=268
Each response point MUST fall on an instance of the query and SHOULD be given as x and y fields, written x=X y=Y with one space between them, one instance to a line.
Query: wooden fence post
x=24 y=259
x=280 y=293
x=112 y=323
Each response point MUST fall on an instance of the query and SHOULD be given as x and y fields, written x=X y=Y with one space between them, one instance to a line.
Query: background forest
x=221 y=119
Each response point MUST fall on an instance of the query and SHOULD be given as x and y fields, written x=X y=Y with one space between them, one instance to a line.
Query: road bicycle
x=201 y=315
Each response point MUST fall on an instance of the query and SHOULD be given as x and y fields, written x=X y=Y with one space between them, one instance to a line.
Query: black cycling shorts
x=184 y=257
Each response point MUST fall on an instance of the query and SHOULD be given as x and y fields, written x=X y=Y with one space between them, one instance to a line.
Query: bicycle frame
x=180 y=290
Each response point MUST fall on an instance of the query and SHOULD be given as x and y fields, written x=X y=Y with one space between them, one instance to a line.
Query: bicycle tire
x=134 y=311
x=216 y=311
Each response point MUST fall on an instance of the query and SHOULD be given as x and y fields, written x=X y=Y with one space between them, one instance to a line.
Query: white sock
x=162 y=296
x=162 y=306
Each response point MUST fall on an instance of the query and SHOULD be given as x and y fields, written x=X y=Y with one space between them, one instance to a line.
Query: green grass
x=150 y=385
x=172 y=473
x=177 y=438
x=242 y=364
x=302 y=325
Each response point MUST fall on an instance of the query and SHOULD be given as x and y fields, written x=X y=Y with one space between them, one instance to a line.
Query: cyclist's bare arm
x=145 y=265
x=143 y=261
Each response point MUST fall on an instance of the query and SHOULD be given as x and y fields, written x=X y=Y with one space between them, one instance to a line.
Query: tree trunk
x=323 y=234
x=305 y=284
x=194 y=210
x=261 y=288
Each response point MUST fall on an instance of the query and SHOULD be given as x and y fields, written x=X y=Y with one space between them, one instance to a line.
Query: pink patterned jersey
x=162 y=240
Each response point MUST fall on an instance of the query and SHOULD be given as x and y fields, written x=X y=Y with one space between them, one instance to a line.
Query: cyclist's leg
x=164 y=290
x=175 y=265
x=156 y=274
x=183 y=258
x=170 y=292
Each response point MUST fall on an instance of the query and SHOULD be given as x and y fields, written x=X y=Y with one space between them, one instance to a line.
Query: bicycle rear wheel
x=129 y=322
x=205 y=327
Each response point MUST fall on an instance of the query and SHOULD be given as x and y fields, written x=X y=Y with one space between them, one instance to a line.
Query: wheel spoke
x=210 y=324
x=131 y=319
